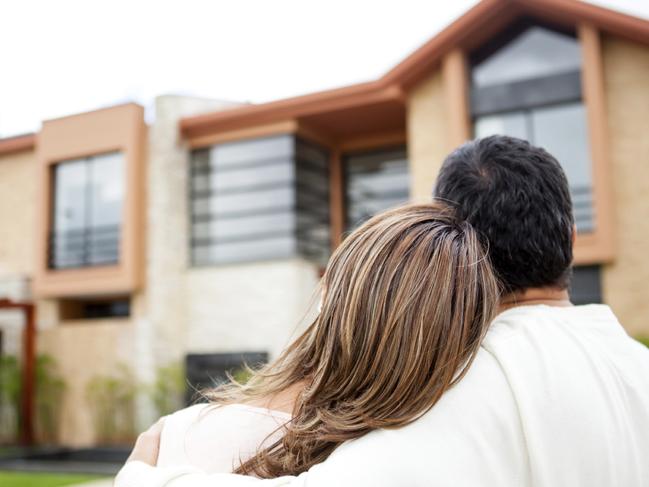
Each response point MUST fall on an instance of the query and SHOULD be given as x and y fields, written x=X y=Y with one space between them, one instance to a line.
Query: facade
x=206 y=231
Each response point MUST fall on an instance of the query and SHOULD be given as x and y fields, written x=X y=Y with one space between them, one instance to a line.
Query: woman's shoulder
x=215 y=438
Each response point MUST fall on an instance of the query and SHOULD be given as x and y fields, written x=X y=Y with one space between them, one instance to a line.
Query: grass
x=24 y=479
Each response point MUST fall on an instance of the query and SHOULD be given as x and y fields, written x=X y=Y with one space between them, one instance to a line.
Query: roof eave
x=19 y=143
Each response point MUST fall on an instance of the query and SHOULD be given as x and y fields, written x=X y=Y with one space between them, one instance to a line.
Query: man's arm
x=140 y=474
x=360 y=463
x=472 y=436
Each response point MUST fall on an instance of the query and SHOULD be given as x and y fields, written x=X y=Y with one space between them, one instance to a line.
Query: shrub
x=50 y=388
x=168 y=390
x=9 y=398
x=112 y=402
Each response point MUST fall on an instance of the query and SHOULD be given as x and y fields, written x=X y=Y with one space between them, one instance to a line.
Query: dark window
x=89 y=309
x=529 y=87
x=375 y=181
x=87 y=212
x=259 y=199
x=207 y=370
x=586 y=286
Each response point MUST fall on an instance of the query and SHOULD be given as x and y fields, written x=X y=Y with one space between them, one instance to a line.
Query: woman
x=407 y=298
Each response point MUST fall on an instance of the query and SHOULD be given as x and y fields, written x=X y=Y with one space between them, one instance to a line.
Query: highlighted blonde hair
x=408 y=298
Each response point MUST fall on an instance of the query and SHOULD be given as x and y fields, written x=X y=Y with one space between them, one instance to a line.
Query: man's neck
x=541 y=295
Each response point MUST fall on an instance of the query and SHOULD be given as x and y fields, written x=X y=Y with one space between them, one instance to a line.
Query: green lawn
x=23 y=479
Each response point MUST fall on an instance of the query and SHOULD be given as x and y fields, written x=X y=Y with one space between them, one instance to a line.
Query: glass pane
x=375 y=182
x=271 y=248
x=562 y=131
x=513 y=124
x=106 y=189
x=244 y=227
x=106 y=194
x=535 y=53
x=249 y=202
x=313 y=202
x=70 y=214
x=244 y=178
x=69 y=195
x=252 y=151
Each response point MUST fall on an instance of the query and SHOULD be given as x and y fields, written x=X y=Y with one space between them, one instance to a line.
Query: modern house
x=127 y=246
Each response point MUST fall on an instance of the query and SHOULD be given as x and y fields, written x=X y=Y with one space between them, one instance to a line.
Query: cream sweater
x=556 y=397
x=217 y=439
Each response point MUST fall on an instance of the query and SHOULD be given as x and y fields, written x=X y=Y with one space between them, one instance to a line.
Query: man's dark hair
x=516 y=195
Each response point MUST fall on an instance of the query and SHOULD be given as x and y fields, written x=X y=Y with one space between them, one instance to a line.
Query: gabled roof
x=472 y=29
x=490 y=16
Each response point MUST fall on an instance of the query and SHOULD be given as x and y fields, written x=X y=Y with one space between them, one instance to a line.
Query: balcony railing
x=88 y=247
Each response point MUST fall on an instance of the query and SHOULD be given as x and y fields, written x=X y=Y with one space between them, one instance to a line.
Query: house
x=206 y=231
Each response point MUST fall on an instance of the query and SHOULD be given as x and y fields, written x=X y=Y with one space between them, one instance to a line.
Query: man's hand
x=147 y=445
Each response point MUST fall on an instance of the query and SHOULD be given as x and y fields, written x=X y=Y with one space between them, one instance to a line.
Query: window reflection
x=535 y=53
x=375 y=181
x=260 y=199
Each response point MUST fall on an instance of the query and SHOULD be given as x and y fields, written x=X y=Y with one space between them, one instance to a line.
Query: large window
x=87 y=212
x=259 y=199
x=375 y=181
x=527 y=84
x=530 y=87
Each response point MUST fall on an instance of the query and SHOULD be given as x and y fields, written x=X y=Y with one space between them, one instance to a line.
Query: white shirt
x=555 y=397
x=217 y=439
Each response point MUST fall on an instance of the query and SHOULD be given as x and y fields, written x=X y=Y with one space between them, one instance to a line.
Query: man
x=558 y=394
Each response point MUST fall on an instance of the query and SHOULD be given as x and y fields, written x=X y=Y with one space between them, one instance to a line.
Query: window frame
x=119 y=128
x=345 y=157
x=88 y=228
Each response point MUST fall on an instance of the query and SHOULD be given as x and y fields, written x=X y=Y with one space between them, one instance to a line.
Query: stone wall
x=428 y=137
x=626 y=67
x=17 y=213
x=245 y=307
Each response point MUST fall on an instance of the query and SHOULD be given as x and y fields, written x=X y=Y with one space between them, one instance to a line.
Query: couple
x=446 y=353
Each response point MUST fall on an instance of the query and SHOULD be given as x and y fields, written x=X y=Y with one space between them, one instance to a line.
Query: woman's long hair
x=407 y=299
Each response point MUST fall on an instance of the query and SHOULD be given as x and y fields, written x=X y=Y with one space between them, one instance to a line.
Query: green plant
x=168 y=389
x=25 y=479
x=242 y=374
x=50 y=388
x=112 y=402
x=9 y=398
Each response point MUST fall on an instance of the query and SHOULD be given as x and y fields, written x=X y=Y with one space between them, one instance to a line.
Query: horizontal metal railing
x=92 y=246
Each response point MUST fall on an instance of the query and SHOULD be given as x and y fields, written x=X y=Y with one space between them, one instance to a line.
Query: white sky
x=69 y=56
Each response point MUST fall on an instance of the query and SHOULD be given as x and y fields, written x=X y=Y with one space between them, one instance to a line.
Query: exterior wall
x=17 y=212
x=118 y=128
x=83 y=350
x=428 y=137
x=253 y=307
x=626 y=67
x=168 y=227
